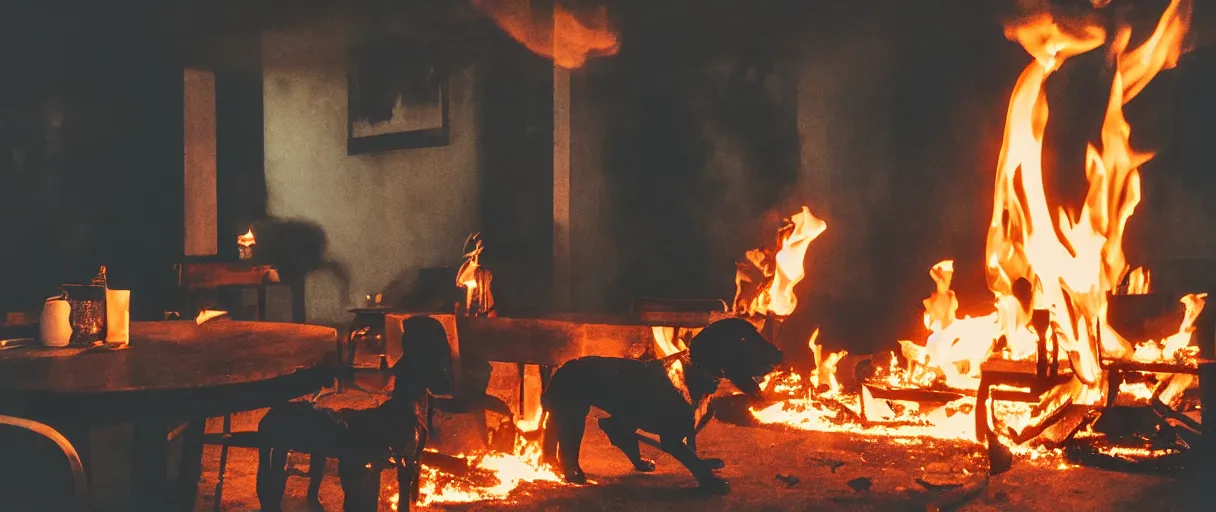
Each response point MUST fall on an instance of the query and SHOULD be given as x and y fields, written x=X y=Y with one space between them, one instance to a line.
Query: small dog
x=668 y=397
x=364 y=441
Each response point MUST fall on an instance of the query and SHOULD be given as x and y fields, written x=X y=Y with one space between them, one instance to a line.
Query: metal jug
x=88 y=316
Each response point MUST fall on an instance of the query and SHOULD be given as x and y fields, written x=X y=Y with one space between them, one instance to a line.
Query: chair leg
x=1114 y=380
x=523 y=389
x=981 y=410
x=219 y=481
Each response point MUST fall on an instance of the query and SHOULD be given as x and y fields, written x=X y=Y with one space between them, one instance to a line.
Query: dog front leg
x=625 y=439
x=713 y=463
x=360 y=485
x=705 y=476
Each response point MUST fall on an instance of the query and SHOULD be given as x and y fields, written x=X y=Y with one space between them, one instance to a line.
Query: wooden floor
x=755 y=457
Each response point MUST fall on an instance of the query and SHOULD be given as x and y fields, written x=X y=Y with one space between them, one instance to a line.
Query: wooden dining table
x=171 y=374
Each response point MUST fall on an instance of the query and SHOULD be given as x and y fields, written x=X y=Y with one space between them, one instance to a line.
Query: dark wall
x=515 y=174
x=91 y=145
x=240 y=154
x=677 y=217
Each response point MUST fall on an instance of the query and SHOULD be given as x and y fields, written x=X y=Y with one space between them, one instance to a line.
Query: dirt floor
x=823 y=465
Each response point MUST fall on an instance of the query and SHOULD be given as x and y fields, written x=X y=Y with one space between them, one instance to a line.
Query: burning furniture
x=1050 y=345
x=1022 y=381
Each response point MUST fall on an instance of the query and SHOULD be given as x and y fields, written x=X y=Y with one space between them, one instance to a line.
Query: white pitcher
x=55 y=325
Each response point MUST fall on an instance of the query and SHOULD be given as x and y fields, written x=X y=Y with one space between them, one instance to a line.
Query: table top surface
x=168 y=356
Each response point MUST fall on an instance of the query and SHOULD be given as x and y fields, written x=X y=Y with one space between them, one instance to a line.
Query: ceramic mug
x=55 y=326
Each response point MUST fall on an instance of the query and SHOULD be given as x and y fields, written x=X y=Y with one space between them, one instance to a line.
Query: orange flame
x=475 y=279
x=1073 y=271
x=565 y=38
x=825 y=365
x=782 y=271
x=510 y=470
x=247 y=239
x=1139 y=282
x=666 y=341
x=1176 y=347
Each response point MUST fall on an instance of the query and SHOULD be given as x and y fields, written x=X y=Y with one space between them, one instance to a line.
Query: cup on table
x=55 y=326
x=118 y=317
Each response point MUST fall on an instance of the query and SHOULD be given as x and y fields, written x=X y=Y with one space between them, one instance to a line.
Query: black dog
x=364 y=441
x=668 y=397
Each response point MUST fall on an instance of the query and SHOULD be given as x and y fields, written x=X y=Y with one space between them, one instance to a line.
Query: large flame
x=1065 y=264
x=565 y=38
x=1073 y=262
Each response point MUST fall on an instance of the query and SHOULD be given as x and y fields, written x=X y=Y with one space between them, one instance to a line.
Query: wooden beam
x=200 y=191
x=562 y=286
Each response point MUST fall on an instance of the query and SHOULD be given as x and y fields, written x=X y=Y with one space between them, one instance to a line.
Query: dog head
x=425 y=355
x=733 y=349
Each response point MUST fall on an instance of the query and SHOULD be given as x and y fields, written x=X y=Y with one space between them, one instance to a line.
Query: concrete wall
x=386 y=215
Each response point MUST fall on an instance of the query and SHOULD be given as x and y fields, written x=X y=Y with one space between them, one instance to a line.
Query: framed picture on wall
x=397 y=98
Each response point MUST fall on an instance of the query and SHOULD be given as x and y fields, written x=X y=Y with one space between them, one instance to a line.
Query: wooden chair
x=1033 y=379
x=19 y=436
x=367 y=329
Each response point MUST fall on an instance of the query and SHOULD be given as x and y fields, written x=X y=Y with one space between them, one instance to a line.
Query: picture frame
x=397 y=97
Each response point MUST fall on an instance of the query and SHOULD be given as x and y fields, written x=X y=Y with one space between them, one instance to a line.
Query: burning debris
x=1051 y=277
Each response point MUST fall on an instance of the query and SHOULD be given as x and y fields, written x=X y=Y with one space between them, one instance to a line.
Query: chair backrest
x=39 y=469
x=199 y=283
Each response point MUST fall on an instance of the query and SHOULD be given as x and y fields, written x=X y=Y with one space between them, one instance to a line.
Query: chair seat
x=1021 y=374
x=1020 y=367
x=1154 y=367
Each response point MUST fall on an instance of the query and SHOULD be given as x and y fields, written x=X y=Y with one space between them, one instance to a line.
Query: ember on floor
x=311 y=255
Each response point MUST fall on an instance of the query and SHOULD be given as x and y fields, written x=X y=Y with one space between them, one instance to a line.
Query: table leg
x=191 y=465
x=149 y=463
x=523 y=390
